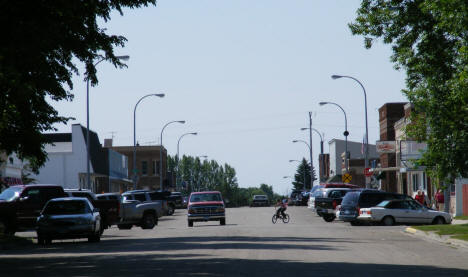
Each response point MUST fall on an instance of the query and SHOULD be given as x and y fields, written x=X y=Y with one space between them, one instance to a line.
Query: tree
x=303 y=175
x=41 y=41
x=429 y=39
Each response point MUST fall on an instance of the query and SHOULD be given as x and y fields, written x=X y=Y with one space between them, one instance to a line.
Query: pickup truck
x=139 y=209
x=206 y=206
x=325 y=206
x=109 y=209
x=21 y=205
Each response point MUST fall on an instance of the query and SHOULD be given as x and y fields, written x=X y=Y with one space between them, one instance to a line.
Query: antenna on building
x=112 y=134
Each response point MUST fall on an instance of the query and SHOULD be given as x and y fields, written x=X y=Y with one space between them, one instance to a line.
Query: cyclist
x=282 y=207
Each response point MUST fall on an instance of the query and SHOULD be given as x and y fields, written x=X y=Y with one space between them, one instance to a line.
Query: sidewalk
x=445 y=239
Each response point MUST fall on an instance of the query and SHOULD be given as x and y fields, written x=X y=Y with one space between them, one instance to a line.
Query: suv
x=355 y=200
x=139 y=209
x=259 y=200
x=206 y=206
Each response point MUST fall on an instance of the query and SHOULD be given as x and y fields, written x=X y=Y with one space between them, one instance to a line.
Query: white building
x=10 y=169
x=66 y=164
x=337 y=148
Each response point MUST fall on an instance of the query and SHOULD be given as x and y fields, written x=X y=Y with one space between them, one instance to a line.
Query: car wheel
x=6 y=229
x=94 y=238
x=388 y=221
x=222 y=221
x=190 y=223
x=125 y=226
x=328 y=217
x=170 y=210
x=47 y=241
x=148 y=221
x=40 y=240
x=438 y=221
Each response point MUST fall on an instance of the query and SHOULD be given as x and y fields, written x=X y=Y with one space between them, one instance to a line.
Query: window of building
x=424 y=181
x=144 y=167
x=154 y=167
x=415 y=181
x=158 y=167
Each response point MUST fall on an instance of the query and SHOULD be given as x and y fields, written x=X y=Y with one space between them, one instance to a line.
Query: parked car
x=389 y=212
x=326 y=206
x=177 y=199
x=139 y=209
x=366 y=198
x=68 y=218
x=21 y=205
x=260 y=201
x=206 y=206
x=168 y=203
x=311 y=202
x=109 y=196
x=109 y=208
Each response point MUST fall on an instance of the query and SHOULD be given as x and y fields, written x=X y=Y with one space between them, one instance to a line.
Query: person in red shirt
x=282 y=207
x=420 y=197
x=439 y=197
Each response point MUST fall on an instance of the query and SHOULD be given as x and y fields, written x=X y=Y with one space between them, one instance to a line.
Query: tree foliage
x=429 y=39
x=303 y=175
x=196 y=175
x=41 y=42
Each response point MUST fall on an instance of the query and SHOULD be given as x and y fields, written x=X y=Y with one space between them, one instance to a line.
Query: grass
x=462 y=217
x=456 y=231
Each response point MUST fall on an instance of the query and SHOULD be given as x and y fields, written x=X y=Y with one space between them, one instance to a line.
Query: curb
x=435 y=237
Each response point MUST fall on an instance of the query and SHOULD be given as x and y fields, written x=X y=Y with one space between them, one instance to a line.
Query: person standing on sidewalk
x=439 y=197
x=419 y=197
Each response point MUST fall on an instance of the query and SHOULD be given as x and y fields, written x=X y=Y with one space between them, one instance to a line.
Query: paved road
x=249 y=245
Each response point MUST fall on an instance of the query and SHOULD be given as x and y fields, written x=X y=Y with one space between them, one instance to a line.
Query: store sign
x=386 y=146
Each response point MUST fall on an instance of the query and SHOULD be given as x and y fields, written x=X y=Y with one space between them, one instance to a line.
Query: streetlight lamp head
x=336 y=77
x=302 y=129
x=181 y=121
x=295 y=141
x=159 y=94
x=194 y=133
x=323 y=103
x=123 y=58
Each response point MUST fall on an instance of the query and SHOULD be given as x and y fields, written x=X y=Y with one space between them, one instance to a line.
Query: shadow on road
x=196 y=265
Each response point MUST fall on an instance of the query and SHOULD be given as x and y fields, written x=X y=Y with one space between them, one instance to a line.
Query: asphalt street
x=249 y=245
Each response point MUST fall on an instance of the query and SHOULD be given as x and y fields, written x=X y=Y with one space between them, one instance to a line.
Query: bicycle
x=285 y=218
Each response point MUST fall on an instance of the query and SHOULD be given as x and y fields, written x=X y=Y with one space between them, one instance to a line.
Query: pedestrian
x=419 y=197
x=439 y=197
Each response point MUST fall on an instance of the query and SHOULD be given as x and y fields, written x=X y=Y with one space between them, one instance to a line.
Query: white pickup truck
x=139 y=209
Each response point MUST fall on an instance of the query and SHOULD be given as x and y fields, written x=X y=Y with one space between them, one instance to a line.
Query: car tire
x=125 y=226
x=438 y=221
x=190 y=223
x=222 y=221
x=40 y=240
x=388 y=221
x=170 y=210
x=94 y=238
x=328 y=217
x=6 y=229
x=47 y=241
x=148 y=221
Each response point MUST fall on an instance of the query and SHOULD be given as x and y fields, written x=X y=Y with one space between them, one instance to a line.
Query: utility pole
x=311 y=156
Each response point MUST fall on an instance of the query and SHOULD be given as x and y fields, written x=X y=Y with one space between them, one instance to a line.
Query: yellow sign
x=346 y=178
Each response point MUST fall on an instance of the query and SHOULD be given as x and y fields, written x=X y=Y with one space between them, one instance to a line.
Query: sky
x=244 y=74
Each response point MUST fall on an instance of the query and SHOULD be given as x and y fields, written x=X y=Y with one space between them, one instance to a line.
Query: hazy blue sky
x=244 y=74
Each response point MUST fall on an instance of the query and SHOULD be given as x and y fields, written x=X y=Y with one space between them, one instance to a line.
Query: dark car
x=355 y=200
x=326 y=204
x=68 y=218
x=260 y=201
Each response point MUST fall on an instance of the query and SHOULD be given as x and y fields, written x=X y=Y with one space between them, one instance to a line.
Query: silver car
x=389 y=212
x=68 y=218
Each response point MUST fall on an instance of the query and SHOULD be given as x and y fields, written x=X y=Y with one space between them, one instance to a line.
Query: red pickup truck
x=206 y=206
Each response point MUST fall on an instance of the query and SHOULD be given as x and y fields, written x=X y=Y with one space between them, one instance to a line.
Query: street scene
x=234 y=138
x=248 y=245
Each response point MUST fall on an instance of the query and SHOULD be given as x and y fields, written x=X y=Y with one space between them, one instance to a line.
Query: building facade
x=66 y=165
x=11 y=169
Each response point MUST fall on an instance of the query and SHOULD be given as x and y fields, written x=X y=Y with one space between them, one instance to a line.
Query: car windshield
x=204 y=197
x=315 y=188
x=260 y=197
x=10 y=194
x=350 y=199
x=66 y=207
x=383 y=204
x=318 y=193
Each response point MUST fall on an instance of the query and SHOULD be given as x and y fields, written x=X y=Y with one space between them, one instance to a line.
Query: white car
x=389 y=212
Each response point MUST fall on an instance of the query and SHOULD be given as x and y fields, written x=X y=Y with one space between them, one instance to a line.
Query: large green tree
x=41 y=41
x=429 y=39
x=302 y=176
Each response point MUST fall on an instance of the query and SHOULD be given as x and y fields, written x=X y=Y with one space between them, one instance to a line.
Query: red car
x=206 y=206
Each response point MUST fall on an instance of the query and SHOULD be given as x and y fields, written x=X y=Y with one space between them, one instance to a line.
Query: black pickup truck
x=21 y=205
x=325 y=206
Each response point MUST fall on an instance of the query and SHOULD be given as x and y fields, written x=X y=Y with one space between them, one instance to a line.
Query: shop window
x=144 y=167
x=415 y=181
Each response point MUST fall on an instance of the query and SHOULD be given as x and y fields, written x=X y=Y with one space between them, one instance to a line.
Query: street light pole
x=321 y=150
x=178 y=143
x=134 y=136
x=312 y=179
x=88 y=143
x=311 y=163
x=366 y=161
x=160 y=153
x=345 y=133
